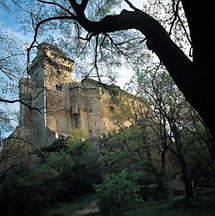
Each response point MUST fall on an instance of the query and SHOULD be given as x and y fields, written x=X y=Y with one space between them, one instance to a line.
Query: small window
x=90 y=132
x=90 y=110
x=58 y=87
x=111 y=108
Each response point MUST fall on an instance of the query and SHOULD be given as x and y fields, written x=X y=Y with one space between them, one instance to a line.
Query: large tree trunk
x=200 y=17
x=180 y=156
x=163 y=161
x=186 y=178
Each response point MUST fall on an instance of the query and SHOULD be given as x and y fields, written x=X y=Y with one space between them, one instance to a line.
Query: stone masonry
x=59 y=104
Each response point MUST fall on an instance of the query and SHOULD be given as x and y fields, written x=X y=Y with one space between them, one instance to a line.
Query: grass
x=175 y=207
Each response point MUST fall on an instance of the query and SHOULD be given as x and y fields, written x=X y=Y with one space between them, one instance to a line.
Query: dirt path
x=91 y=208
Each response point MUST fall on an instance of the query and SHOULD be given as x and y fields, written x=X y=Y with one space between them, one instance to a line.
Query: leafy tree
x=118 y=193
x=125 y=149
x=172 y=122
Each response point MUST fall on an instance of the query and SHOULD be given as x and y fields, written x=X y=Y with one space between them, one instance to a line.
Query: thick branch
x=131 y=5
x=79 y=8
x=84 y=4
x=158 y=40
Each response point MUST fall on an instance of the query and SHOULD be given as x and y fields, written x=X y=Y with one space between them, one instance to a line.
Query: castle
x=54 y=104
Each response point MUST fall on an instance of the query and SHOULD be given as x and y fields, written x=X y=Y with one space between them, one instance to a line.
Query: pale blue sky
x=9 y=21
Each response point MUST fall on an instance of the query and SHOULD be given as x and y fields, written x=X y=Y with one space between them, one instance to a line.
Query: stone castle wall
x=62 y=103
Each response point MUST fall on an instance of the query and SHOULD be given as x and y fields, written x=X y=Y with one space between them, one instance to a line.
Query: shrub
x=118 y=193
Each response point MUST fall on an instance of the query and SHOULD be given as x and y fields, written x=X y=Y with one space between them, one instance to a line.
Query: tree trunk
x=211 y=148
x=180 y=156
x=163 y=160
x=202 y=98
x=186 y=177
x=163 y=182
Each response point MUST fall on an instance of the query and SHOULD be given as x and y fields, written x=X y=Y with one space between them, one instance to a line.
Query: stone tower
x=46 y=91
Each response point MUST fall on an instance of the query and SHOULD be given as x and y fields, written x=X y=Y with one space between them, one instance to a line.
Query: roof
x=110 y=87
x=56 y=49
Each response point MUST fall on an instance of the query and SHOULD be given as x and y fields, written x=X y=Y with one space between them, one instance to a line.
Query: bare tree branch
x=131 y=5
x=58 y=5
x=22 y=102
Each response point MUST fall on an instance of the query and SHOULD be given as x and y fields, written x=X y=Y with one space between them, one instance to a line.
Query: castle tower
x=47 y=90
x=58 y=68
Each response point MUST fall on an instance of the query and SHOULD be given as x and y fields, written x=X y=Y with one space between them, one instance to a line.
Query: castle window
x=90 y=132
x=111 y=108
x=76 y=120
x=58 y=87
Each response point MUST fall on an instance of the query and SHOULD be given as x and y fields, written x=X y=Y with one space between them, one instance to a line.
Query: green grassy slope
x=175 y=207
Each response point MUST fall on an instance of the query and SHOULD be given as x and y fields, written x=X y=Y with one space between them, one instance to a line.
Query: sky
x=125 y=73
x=10 y=23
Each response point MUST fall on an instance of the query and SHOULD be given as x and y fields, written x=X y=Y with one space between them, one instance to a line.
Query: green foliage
x=77 y=136
x=24 y=195
x=59 y=162
x=122 y=149
x=118 y=193
x=67 y=169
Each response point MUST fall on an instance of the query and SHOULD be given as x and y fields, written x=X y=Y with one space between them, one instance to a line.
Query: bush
x=118 y=193
x=24 y=195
